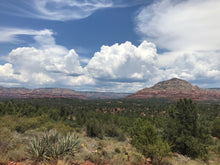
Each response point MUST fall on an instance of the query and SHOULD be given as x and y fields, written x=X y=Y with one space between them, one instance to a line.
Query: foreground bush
x=53 y=146
x=146 y=139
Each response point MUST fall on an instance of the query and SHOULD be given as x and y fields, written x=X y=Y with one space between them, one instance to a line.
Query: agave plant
x=53 y=146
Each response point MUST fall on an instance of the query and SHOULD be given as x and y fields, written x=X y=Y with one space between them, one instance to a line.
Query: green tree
x=183 y=131
x=10 y=108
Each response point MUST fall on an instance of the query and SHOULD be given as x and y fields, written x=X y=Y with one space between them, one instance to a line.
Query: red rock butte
x=175 y=89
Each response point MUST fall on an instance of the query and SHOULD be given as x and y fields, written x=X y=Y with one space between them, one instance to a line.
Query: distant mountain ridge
x=175 y=89
x=39 y=93
x=11 y=93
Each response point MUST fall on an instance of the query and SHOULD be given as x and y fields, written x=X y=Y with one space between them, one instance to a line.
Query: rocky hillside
x=39 y=93
x=176 y=89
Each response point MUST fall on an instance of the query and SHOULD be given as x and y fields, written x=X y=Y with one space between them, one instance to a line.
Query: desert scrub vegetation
x=53 y=146
x=110 y=131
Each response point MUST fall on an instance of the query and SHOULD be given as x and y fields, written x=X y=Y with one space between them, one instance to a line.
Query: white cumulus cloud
x=44 y=63
x=31 y=66
x=48 y=60
x=124 y=62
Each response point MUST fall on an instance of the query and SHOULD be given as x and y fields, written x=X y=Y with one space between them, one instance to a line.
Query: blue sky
x=108 y=45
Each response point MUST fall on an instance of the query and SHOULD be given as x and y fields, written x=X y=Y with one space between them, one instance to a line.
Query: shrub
x=136 y=158
x=158 y=150
x=94 y=129
x=216 y=128
x=143 y=134
x=146 y=139
x=99 y=158
x=22 y=124
x=121 y=137
x=119 y=159
x=95 y=158
x=117 y=150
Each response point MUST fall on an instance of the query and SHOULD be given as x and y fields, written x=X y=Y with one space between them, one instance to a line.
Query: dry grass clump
x=12 y=146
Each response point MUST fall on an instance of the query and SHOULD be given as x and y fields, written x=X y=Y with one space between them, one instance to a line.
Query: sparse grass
x=184 y=160
x=101 y=151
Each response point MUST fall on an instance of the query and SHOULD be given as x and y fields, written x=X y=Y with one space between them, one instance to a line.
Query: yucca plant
x=50 y=141
x=53 y=146
x=63 y=145
x=68 y=145
x=37 y=150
